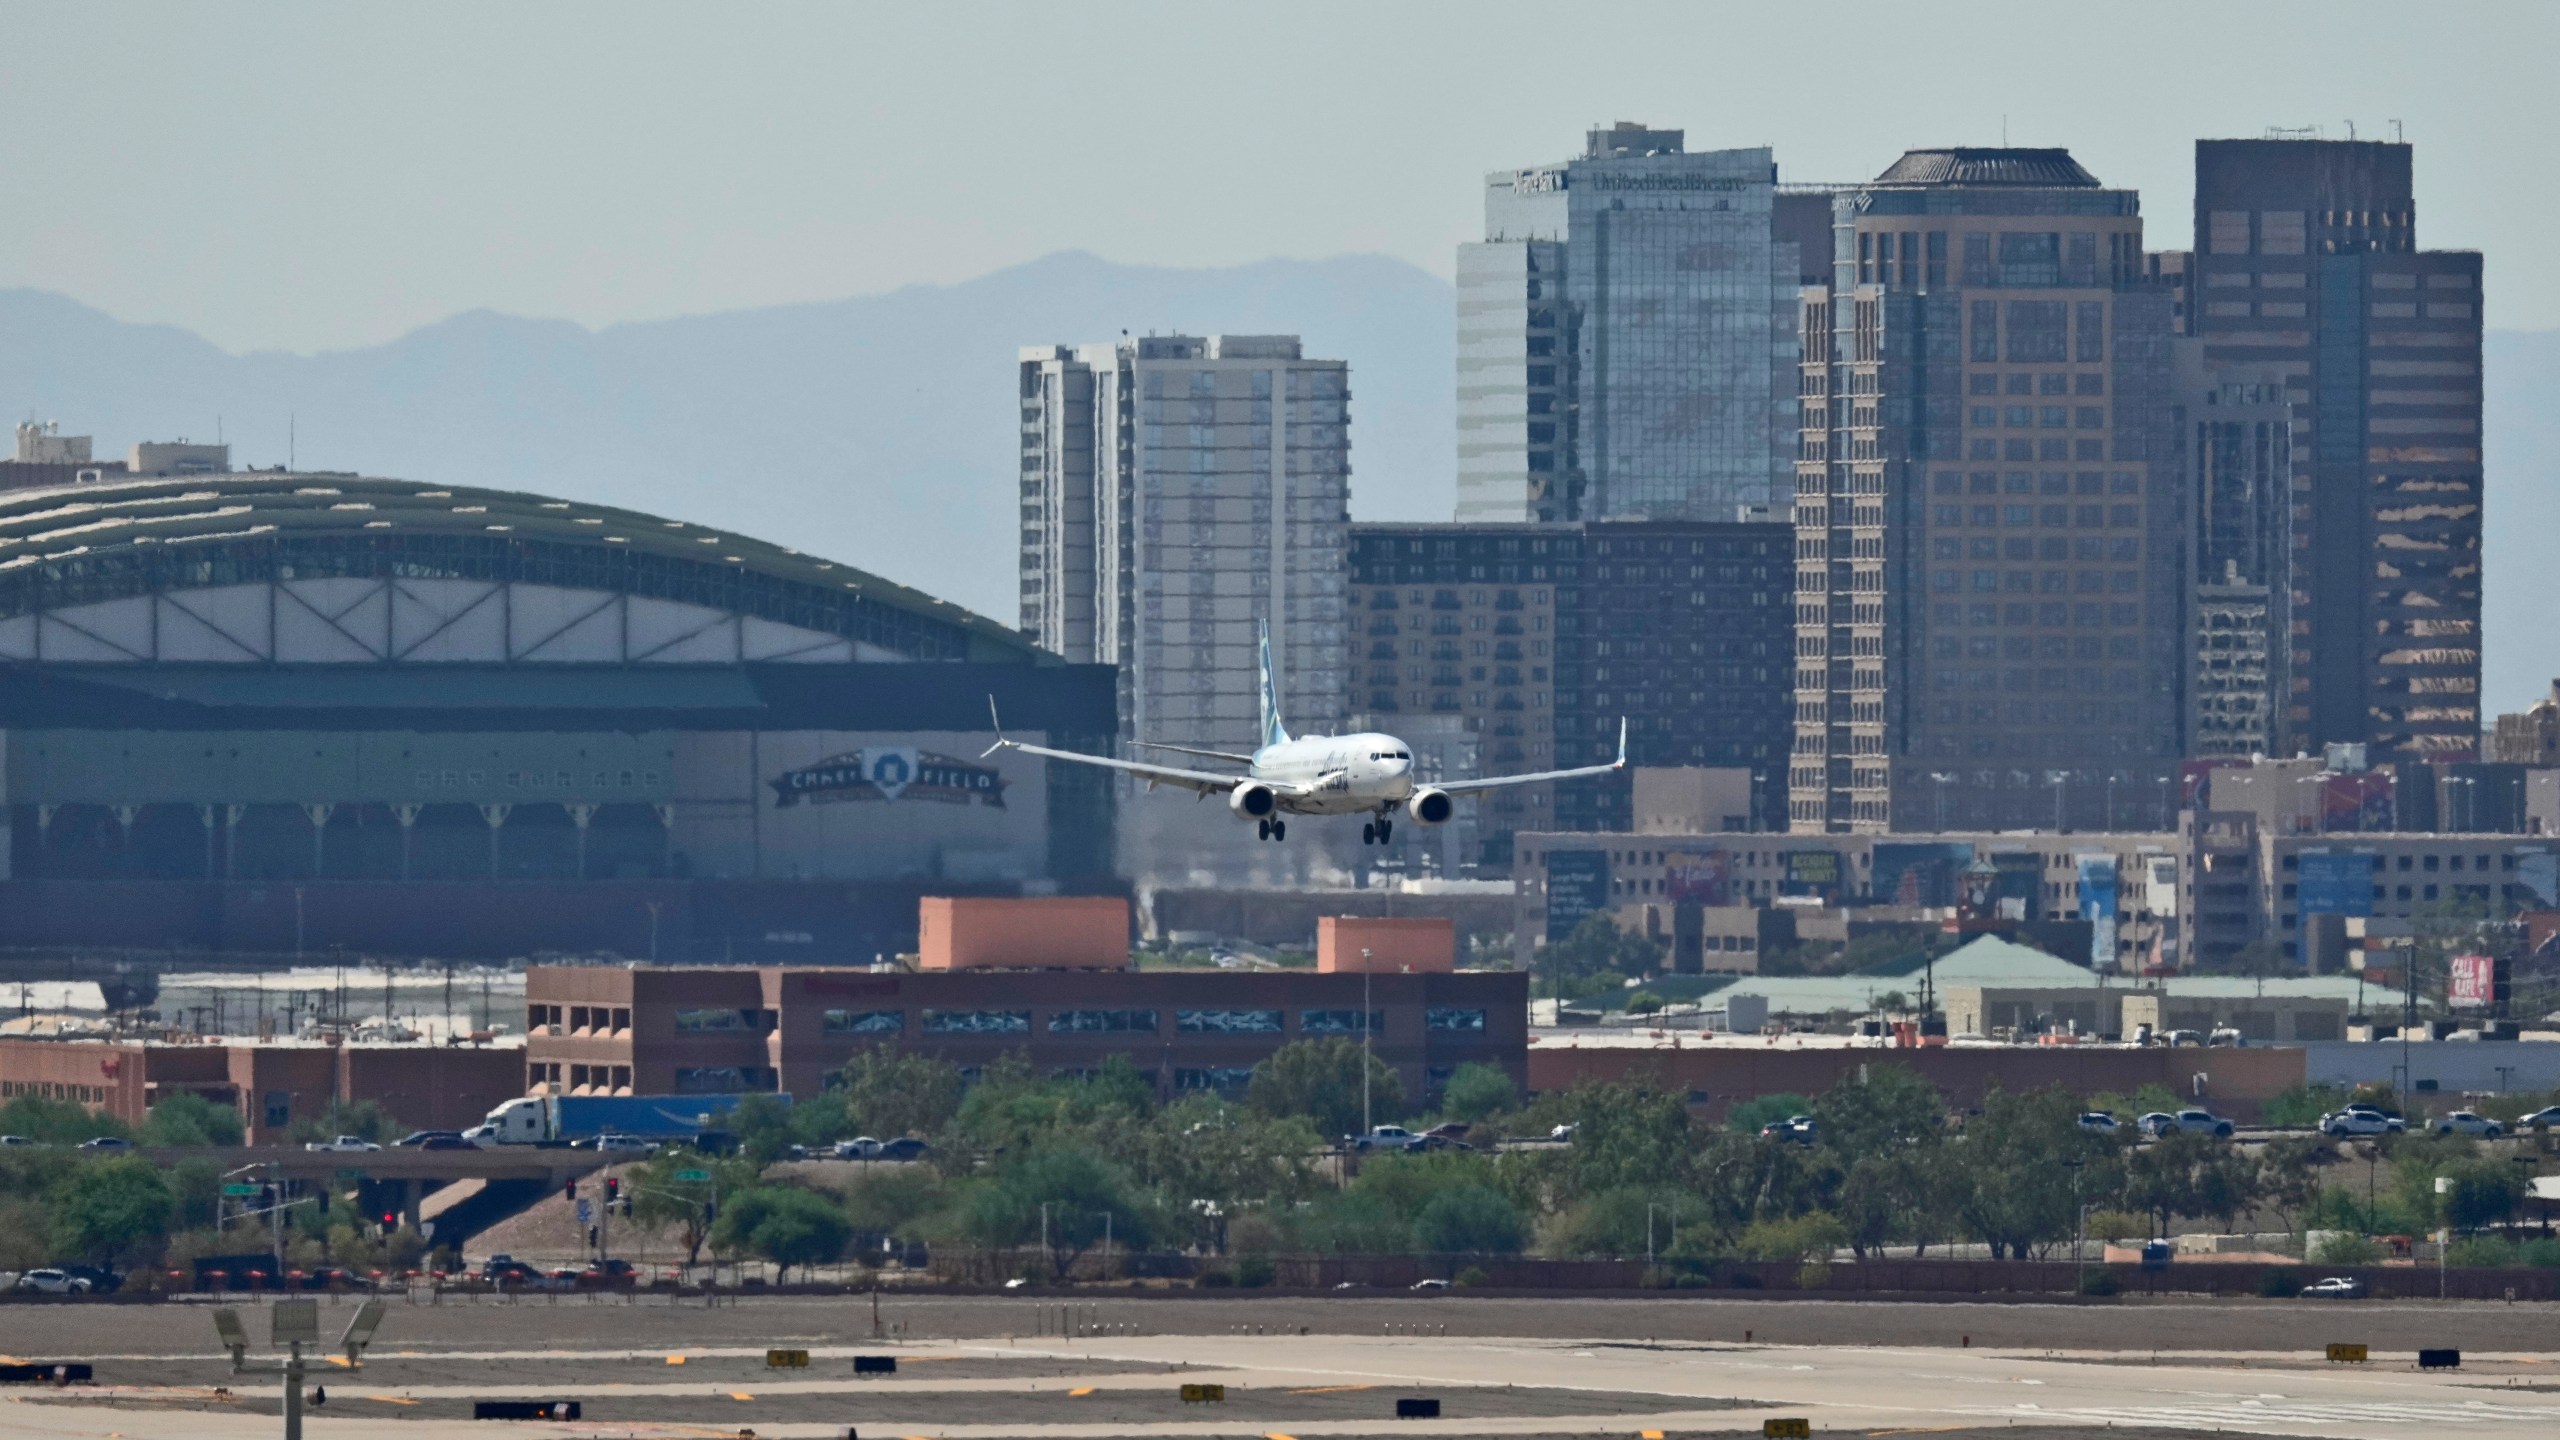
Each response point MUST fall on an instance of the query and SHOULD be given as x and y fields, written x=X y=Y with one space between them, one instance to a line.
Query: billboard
x=2471 y=983
x=857 y=805
x=2098 y=887
x=1909 y=874
x=2331 y=882
x=1812 y=872
x=2018 y=893
x=1577 y=888
x=1699 y=878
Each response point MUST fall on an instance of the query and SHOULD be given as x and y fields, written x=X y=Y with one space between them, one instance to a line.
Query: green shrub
x=2348 y=1250
x=2279 y=1280
x=2543 y=1252
x=2100 y=1282
x=1816 y=1276
x=1255 y=1271
x=2482 y=1252
x=1474 y=1275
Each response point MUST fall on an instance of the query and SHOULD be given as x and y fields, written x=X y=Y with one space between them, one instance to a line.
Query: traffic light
x=390 y=1221
x=591 y=1237
x=612 y=1191
x=569 y=1191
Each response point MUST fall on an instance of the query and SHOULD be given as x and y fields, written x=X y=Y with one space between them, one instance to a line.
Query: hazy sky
x=315 y=176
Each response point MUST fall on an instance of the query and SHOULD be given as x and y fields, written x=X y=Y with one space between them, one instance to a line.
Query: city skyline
x=246 y=223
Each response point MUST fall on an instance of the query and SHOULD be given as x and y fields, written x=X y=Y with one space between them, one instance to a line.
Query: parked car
x=611 y=1143
x=1562 y=1135
x=2360 y=1120
x=2336 y=1287
x=502 y=1268
x=2469 y=1122
x=2546 y=1118
x=1430 y=1285
x=1385 y=1137
x=2099 y=1122
x=2187 y=1122
x=343 y=1145
x=1799 y=1128
x=8 y=1140
x=50 y=1281
x=2176 y=1038
x=1450 y=1130
x=906 y=1147
x=861 y=1147
x=107 y=1145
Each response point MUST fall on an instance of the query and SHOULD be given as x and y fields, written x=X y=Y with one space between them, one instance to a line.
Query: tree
x=890 y=1093
x=660 y=1200
x=1477 y=1092
x=2161 y=1177
x=365 y=1119
x=1597 y=957
x=762 y=1124
x=111 y=1207
x=2023 y=1192
x=187 y=1118
x=1085 y=1195
x=1320 y=1079
x=1625 y=1135
x=1470 y=1219
x=2288 y=1179
x=784 y=1224
x=55 y=1122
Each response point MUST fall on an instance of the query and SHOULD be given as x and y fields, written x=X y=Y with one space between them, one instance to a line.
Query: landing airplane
x=1365 y=774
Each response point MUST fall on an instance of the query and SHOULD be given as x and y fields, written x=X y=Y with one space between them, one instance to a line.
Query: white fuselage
x=1342 y=774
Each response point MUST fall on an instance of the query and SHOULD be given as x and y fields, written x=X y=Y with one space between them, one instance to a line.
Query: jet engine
x=1252 y=800
x=1431 y=807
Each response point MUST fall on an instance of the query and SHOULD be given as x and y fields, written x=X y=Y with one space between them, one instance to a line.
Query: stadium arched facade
x=437 y=719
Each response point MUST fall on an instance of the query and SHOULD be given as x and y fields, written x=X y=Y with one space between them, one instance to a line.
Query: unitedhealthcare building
x=295 y=713
x=1626 y=335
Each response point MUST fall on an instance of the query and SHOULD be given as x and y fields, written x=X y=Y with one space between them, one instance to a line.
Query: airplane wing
x=1198 y=781
x=1189 y=750
x=1462 y=787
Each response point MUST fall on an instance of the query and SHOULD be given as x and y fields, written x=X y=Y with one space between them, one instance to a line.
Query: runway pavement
x=1524 y=1385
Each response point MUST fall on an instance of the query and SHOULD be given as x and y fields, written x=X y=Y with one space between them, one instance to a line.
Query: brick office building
x=665 y=1030
x=271 y=1084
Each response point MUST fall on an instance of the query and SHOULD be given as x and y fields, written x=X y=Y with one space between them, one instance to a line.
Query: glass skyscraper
x=1626 y=341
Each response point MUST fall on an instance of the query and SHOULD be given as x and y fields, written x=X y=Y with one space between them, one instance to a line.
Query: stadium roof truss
x=271 y=568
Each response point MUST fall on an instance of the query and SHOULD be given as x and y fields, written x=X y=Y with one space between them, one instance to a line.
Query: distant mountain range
x=881 y=430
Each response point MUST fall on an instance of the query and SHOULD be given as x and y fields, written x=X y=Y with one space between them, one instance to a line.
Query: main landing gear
x=1275 y=829
x=1376 y=832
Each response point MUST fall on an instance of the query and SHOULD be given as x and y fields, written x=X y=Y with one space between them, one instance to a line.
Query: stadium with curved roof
x=297 y=568
x=287 y=711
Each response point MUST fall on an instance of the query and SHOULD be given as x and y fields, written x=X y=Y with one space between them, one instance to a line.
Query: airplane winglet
x=1004 y=744
x=1619 y=764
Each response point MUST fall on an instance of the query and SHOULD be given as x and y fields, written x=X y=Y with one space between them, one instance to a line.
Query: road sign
x=239 y=1191
x=2347 y=1354
x=693 y=1177
x=586 y=1216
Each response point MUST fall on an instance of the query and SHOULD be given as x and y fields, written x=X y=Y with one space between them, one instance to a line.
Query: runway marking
x=2299 y=1413
x=1080 y=1390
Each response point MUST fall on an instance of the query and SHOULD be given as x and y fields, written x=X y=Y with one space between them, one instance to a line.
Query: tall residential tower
x=1177 y=492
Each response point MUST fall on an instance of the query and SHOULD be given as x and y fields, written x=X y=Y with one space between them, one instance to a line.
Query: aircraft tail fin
x=1273 y=731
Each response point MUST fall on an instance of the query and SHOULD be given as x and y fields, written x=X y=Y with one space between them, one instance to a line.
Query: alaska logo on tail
x=1273 y=732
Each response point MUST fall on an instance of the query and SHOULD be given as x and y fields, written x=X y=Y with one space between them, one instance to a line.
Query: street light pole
x=1366 y=1053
